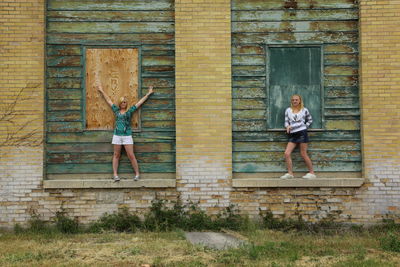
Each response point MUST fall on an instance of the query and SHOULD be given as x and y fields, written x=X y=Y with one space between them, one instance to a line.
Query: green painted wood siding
x=72 y=26
x=330 y=25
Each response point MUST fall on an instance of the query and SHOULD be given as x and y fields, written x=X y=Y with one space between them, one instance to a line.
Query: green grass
x=263 y=248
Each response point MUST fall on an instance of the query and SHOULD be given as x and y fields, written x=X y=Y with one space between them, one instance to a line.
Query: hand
x=288 y=129
x=150 y=90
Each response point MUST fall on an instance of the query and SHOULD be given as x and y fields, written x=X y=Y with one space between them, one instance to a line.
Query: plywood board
x=117 y=71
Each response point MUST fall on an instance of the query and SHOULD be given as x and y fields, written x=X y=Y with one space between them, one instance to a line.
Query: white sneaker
x=116 y=178
x=309 y=176
x=137 y=178
x=287 y=176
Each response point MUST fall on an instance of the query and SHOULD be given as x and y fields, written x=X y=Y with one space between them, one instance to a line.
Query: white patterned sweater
x=298 y=121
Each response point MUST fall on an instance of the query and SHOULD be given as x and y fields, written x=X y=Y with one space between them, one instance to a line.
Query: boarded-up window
x=294 y=70
x=117 y=70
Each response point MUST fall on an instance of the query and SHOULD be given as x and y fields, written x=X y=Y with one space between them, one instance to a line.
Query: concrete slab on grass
x=213 y=240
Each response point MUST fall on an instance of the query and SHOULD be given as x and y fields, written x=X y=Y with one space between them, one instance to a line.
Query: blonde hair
x=122 y=99
x=301 y=102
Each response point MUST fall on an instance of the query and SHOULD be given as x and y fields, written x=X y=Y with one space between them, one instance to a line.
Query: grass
x=264 y=248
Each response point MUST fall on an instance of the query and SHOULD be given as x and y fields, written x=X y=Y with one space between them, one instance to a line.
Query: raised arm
x=106 y=97
x=141 y=101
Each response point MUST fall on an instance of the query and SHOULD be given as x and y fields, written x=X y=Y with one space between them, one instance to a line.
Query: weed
x=391 y=242
x=66 y=225
x=121 y=221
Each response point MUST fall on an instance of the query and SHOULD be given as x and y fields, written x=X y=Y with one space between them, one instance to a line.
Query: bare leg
x=289 y=149
x=116 y=157
x=307 y=160
x=132 y=158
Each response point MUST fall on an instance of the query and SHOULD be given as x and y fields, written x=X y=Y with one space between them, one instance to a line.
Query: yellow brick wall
x=21 y=105
x=380 y=87
x=203 y=101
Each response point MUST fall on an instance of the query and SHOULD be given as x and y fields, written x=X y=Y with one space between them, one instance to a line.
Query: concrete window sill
x=102 y=183
x=319 y=182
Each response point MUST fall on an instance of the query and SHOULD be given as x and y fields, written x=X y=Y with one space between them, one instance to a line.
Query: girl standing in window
x=123 y=132
x=297 y=120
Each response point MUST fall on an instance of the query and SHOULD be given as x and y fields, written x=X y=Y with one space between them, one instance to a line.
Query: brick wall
x=380 y=96
x=21 y=106
x=203 y=101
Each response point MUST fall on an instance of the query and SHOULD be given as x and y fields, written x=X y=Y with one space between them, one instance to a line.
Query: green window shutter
x=294 y=70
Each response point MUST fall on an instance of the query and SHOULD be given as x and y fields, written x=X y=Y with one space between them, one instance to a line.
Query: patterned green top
x=123 y=121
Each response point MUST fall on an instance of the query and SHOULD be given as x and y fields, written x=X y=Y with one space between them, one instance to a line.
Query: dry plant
x=18 y=134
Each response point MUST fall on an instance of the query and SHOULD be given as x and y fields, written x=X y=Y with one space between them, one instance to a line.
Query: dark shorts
x=299 y=137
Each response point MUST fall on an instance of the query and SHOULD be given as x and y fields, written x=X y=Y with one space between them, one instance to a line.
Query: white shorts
x=122 y=140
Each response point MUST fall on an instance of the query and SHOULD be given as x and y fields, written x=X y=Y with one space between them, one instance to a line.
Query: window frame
x=267 y=83
x=83 y=100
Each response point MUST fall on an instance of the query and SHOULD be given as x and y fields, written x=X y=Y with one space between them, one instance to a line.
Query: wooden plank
x=341 y=80
x=108 y=147
x=64 y=61
x=158 y=82
x=340 y=48
x=64 y=126
x=161 y=93
x=64 y=50
x=128 y=39
x=248 y=104
x=158 y=104
x=106 y=157
x=107 y=168
x=64 y=116
x=158 y=47
x=64 y=83
x=341 y=59
x=280 y=146
x=70 y=72
x=158 y=115
x=294 y=26
x=110 y=5
x=110 y=27
x=248 y=60
x=281 y=136
x=295 y=38
x=248 y=49
x=343 y=102
x=158 y=125
x=291 y=5
x=64 y=94
x=340 y=70
x=158 y=61
x=158 y=71
x=342 y=112
x=295 y=14
x=342 y=124
x=114 y=15
x=351 y=91
x=249 y=70
x=106 y=136
x=261 y=156
x=252 y=114
x=255 y=92
x=249 y=125
x=158 y=53
x=65 y=104
x=279 y=166
x=248 y=81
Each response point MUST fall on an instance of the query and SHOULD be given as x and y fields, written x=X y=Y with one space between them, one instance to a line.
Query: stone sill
x=319 y=182
x=144 y=183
